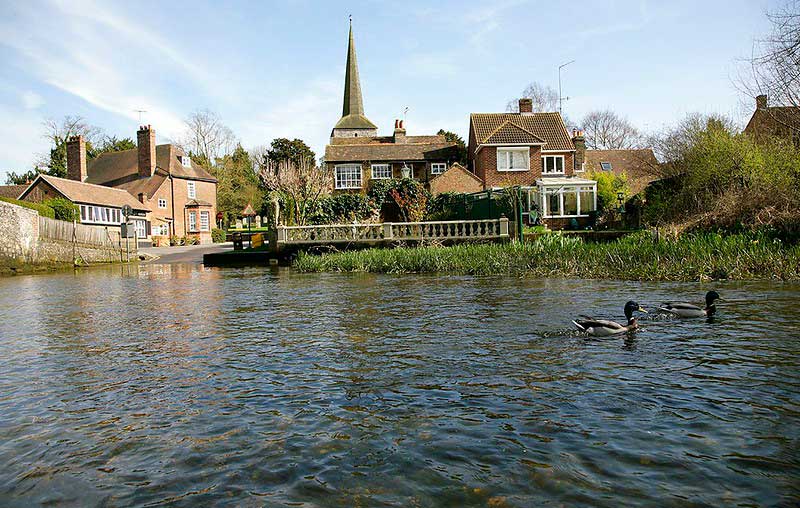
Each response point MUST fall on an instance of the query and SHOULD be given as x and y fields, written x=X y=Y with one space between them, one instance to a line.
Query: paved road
x=184 y=254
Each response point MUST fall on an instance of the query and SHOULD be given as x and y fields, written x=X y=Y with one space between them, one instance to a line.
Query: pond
x=182 y=385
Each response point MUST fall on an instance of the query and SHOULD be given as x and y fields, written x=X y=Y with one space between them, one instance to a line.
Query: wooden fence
x=78 y=233
x=463 y=230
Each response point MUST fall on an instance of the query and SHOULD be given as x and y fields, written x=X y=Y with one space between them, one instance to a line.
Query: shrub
x=411 y=199
x=217 y=235
x=64 y=209
x=176 y=240
x=446 y=206
x=44 y=210
x=190 y=240
x=342 y=208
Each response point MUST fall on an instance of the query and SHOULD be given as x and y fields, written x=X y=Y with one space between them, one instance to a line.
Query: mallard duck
x=603 y=327
x=687 y=310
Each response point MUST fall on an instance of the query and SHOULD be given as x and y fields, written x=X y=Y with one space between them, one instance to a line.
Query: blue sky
x=276 y=69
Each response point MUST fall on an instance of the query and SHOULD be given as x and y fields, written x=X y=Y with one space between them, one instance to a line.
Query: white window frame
x=506 y=152
x=560 y=191
x=205 y=220
x=381 y=167
x=555 y=165
x=92 y=214
x=192 y=222
x=186 y=161
x=437 y=168
x=348 y=181
x=162 y=203
x=191 y=190
x=141 y=228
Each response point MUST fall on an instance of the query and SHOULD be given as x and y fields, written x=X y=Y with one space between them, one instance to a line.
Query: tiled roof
x=512 y=133
x=459 y=168
x=113 y=166
x=80 y=192
x=547 y=127
x=12 y=191
x=640 y=166
x=416 y=148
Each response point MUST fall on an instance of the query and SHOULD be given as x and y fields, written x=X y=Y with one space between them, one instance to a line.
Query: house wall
x=205 y=191
x=42 y=191
x=421 y=171
x=485 y=163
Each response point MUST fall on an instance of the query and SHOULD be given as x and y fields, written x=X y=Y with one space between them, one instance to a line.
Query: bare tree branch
x=207 y=137
x=302 y=184
x=544 y=98
x=605 y=130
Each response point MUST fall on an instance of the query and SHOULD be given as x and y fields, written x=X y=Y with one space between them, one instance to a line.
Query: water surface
x=179 y=385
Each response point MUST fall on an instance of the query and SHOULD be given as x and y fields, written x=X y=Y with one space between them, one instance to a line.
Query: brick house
x=357 y=155
x=181 y=197
x=774 y=121
x=534 y=151
x=99 y=205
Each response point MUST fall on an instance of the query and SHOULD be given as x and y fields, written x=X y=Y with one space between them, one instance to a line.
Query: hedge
x=44 y=210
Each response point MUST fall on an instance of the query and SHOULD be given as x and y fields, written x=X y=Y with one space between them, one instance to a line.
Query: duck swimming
x=687 y=310
x=604 y=328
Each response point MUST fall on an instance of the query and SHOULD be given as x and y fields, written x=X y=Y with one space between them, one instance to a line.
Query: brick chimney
x=146 y=142
x=399 y=132
x=76 y=158
x=761 y=102
x=579 y=141
x=526 y=106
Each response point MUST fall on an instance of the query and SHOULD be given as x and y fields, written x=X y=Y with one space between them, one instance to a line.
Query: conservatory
x=563 y=197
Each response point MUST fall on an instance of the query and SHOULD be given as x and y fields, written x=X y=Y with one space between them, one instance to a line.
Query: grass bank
x=635 y=257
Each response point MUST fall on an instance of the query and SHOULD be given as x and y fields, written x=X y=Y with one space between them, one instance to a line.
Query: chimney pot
x=761 y=102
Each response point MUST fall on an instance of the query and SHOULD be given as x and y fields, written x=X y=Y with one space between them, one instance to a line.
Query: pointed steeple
x=353 y=103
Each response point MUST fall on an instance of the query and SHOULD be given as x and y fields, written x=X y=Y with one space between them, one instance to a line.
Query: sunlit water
x=180 y=385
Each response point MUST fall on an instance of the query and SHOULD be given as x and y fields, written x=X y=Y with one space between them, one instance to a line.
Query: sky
x=276 y=69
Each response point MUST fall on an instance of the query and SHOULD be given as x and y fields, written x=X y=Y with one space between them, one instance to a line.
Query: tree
x=300 y=186
x=544 y=98
x=237 y=184
x=452 y=137
x=295 y=151
x=21 y=178
x=109 y=144
x=207 y=138
x=774 y=67
x=59 y=132
x=605 y=130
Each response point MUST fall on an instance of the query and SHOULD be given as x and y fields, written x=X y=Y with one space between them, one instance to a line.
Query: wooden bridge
x=390 y=232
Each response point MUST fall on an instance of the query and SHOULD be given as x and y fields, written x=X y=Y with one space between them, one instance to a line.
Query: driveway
x=183 y=254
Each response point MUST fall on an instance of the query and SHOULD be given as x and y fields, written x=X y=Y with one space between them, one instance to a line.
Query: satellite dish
x=127 y=211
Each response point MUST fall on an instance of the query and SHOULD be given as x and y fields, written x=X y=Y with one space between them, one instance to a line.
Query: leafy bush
x=446 y=206
x=64 y=209
x=217 y=235
x=190 y=240
x=44 y=210
x=378 y=191
x=411 y=199
x=342 y=208
x=176 y=240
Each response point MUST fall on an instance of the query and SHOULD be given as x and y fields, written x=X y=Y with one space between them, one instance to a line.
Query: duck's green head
x=632 y=307
x=711 y=297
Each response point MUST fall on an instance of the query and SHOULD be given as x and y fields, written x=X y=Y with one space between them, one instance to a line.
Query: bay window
x=513 y=159
x=192 y=221
x=204 y=222
x=348 y=176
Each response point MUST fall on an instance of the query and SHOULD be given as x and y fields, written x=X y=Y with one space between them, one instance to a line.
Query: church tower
x=353 y=122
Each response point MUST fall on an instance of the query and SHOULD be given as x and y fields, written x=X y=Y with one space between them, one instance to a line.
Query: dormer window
x=186 y=161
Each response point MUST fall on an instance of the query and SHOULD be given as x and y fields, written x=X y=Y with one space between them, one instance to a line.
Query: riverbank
x=636 y=257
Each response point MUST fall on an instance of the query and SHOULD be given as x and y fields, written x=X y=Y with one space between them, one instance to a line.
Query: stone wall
x=24 y=248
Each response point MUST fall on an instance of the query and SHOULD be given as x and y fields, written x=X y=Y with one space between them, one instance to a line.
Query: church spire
x=353 y=103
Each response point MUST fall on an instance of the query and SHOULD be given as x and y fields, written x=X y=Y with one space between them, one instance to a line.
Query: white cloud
x=31 y=100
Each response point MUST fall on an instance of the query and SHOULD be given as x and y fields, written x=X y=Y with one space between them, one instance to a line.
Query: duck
x=687 y=310
x=604 y=327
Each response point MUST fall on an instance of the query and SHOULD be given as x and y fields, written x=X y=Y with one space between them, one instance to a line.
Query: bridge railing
x=394 y=231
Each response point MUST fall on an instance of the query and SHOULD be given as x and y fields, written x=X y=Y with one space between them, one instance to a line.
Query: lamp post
x=620 y=201
x=560 y=96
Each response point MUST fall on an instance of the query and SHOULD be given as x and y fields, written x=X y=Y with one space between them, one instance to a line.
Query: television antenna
x=140 y=111
x=560 y=96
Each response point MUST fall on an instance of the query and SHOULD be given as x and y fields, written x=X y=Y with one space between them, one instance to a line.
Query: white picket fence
x=78 y=233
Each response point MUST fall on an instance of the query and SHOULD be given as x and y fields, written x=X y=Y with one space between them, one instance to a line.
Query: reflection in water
x=177 y=384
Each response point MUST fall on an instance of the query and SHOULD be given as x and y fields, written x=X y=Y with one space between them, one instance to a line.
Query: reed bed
x=635 y=257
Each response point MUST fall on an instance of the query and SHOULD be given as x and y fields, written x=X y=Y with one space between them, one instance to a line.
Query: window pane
x=519 y=161
x=549 y=165
x=553 y=207
x=570 y=202
x=502 y=159
x=587 y=200
x=559 y=164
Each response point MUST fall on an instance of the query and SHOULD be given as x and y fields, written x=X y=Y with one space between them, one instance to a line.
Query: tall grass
x=635 y=257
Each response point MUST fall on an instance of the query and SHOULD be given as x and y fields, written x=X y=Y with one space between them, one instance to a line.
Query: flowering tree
x=300 y=185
